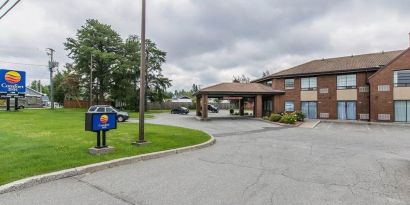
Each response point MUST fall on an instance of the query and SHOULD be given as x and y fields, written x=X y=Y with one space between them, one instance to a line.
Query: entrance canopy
x=232 y=90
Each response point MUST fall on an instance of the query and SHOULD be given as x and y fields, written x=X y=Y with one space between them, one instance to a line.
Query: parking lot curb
x=392 y=124
x=35 y=180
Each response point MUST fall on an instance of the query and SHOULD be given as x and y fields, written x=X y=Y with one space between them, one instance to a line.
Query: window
x=289 y=84
x=309 y=109
x=309 y=83
x=109 y=109
x=346 y=110
x=92 y=109
x=289 y=106
x=101 y=109
x=402 y=111
x=346 y=82
x=402 y=78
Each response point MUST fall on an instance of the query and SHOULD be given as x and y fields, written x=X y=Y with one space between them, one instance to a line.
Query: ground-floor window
x=346 y=110
x=289 y=106
x=309 y=109
x=402 y=111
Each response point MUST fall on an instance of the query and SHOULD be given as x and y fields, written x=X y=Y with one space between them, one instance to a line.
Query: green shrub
x=288 y=118
x=275 y=117
x=231 y=111
x=300 y=116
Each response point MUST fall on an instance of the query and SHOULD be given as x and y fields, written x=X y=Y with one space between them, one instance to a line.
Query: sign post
x=100 y=123
x=12 y=85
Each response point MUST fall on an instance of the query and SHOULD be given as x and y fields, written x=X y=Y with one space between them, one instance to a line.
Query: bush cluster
x=275 y=117
x=300 y=116
x=287 y=117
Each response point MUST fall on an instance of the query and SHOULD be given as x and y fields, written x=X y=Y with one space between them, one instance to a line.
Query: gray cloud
x=209 y=41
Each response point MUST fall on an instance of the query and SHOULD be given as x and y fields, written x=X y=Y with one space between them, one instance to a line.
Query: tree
x=266 y=73
x=156 y=83
x=37 y=86
x=59 y=93
x=195 y=88
x=101 y=41
x=241 y=79
x=116 y=71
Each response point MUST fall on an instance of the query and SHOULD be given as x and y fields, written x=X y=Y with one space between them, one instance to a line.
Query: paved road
x=252 y=162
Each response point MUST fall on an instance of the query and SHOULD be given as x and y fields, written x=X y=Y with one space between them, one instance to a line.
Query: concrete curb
x=392 y=124
x=35 y=180
x=297 y=124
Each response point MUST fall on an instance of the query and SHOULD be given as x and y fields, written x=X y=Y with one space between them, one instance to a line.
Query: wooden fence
x=81 y=103
x=171 y=105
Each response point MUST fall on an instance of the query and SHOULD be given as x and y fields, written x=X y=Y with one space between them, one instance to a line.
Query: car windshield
x=92 y=109
x=184 y=108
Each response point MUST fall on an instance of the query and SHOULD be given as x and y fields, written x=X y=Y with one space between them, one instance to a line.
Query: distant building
x=183 y=99
x=33 y=99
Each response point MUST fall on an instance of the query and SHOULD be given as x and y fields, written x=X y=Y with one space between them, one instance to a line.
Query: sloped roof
x=239 y=88
x=340 y=64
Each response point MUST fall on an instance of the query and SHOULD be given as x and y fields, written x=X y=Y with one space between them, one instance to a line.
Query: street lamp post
x=141 y=137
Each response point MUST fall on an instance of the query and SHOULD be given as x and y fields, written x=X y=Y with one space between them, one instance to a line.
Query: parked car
x=180 y=110
x=121 y=116
x=213 y=109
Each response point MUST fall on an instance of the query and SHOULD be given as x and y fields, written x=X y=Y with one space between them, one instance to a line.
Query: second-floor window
x=309 y=83
x=289 y=84
x=402 y=78
x=346 y=82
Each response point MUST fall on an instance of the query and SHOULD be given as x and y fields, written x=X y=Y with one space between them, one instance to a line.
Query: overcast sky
x=209 y=41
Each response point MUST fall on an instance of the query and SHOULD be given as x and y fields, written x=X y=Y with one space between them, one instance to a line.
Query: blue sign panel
x=104 y=121
x=12 y=82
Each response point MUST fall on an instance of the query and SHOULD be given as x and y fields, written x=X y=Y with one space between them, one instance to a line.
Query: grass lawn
x=34 y=142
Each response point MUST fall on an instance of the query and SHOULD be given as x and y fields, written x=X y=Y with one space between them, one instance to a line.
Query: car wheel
x=120 y=119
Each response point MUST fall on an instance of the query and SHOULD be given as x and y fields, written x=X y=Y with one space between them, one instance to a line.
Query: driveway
x=253 y=162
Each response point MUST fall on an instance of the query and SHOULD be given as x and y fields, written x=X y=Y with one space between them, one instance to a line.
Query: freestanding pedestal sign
x=100 y=123
x=12 y=85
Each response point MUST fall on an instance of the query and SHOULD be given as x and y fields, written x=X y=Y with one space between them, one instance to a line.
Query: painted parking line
x=330 y=125
x=368 y=128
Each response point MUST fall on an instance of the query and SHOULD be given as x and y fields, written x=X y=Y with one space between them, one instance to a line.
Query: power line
x=10 y=9
x=4 y=4
x=27 y=64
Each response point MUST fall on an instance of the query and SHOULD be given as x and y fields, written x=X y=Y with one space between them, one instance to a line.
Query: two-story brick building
x=372 y=86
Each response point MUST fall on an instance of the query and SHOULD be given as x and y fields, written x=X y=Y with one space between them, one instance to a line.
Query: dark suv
x=213 y=109
x=180 y=110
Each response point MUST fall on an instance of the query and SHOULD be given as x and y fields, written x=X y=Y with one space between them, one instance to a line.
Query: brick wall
x=382 y=101
x=290 y=95
x=327 y=95
x=327 y=101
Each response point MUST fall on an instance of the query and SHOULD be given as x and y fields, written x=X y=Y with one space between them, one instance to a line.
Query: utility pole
x=141 y=138
x=51 y=66
x=91 y=81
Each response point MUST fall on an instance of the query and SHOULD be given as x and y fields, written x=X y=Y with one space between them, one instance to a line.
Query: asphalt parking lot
x=253 y=162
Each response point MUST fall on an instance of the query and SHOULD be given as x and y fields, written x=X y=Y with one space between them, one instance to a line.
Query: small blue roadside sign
x=100 y=123
x=12 y=83
x=104 y=121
